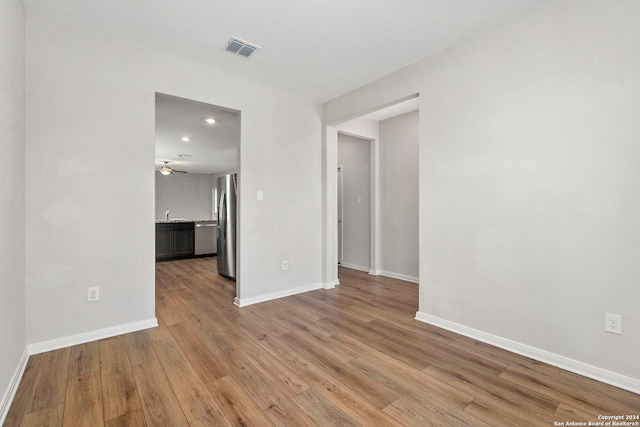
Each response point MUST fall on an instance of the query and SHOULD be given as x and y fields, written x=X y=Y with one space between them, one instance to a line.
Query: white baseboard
x=398 y=276
x=243 y=302
x=382 y=273
x=10 y=393
x=330 y=285
x=575 y=366
x=99 y=334
x=355 y=267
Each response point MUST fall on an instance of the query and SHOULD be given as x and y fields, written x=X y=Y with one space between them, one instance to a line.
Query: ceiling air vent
x=240 y=47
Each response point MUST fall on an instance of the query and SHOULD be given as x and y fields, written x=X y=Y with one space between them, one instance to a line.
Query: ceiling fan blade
x=167 y=170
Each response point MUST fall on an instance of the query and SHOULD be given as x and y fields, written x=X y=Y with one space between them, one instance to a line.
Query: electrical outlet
x=94 y=294
x=285 y=264
x=613 y=323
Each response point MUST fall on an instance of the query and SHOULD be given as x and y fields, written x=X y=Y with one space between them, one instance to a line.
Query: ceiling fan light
x=165 y=170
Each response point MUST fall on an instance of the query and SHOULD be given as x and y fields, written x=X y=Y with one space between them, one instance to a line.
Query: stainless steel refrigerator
x=227 y=190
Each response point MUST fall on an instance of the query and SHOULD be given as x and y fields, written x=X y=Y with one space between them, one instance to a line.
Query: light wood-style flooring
x=353 y=355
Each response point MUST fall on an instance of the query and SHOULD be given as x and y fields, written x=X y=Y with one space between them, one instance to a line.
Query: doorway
x=195 y=143
x=354 y=211
x=394 y=244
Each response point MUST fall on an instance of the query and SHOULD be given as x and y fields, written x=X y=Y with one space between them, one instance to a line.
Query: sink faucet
x=166 y=214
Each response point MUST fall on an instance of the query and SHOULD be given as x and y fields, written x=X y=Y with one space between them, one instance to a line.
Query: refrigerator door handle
x=222 y=214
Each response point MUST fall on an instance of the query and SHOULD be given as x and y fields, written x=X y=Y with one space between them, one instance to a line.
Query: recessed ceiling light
x=210 y=120
x=185 y=139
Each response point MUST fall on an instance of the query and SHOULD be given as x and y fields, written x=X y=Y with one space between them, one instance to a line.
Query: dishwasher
x=205 y=237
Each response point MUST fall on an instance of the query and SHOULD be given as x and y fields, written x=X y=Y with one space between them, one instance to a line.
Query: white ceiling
x=211 y=148
x=317 y=49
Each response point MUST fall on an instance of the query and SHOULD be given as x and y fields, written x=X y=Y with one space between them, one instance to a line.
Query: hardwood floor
x=353 y=355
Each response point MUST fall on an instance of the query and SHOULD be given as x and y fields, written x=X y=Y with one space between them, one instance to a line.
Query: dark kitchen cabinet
x=183 y=239
x=174 y=240
x=164 y=233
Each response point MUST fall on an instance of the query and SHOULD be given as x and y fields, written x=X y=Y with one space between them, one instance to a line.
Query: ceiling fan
x=166 y=170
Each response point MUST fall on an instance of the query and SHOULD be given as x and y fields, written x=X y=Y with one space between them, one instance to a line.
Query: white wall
x=186 y=195
x=399 y=196
x=354 y=156
x=90 y=179
x=12 y=147
x=528 y=182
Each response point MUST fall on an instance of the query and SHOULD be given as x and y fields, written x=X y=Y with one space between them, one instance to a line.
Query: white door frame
x=340 y=211
x=331 y=200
